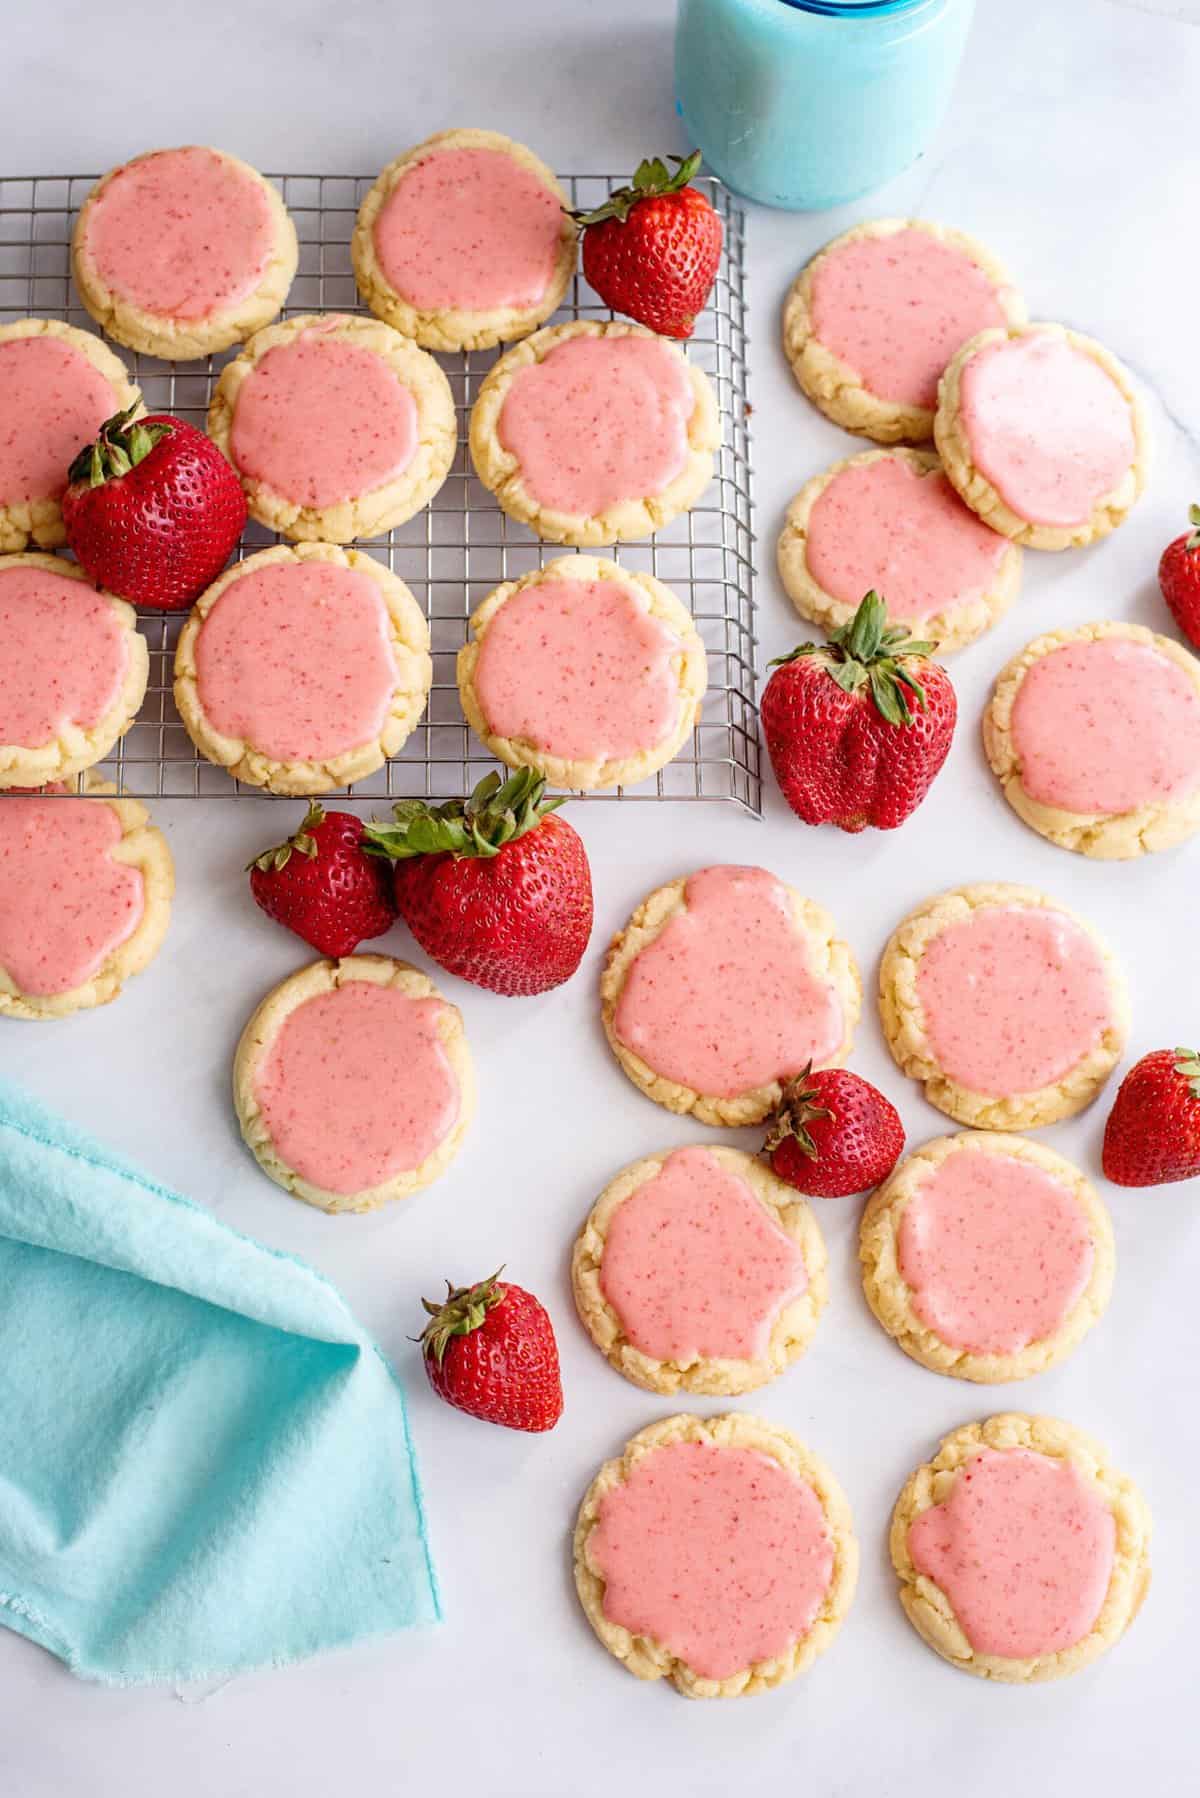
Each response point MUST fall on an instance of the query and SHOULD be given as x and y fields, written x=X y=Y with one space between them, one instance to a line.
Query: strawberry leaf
x=497 y=813
x=463 y=1309
x=1193 y=541
x=1187 y=1064
x=869 y=648
x=651 y=179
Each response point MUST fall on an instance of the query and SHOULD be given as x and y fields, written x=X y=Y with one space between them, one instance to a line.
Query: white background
x=1072 y=150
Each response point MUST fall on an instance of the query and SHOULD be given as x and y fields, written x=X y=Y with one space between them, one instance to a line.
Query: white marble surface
x=1072 y=149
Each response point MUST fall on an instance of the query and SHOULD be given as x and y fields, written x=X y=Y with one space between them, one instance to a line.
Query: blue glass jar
x=808 y=103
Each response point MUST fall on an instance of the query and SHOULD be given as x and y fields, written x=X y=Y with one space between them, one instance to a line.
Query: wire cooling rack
x=455 y=551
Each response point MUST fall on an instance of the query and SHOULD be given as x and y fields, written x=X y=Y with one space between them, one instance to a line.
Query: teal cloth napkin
x=205 y=1463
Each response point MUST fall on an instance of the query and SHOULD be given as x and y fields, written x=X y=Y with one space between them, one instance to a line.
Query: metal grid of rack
x=461 y=546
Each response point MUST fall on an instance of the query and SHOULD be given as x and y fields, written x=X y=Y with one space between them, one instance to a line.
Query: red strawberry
x=833 y=1134
x=653 y=249
x=489 y=1350
x=1179 y=578
x=323 y=885
x=845 y=743
x=153 y=511
x=1153 y=1130
x=493 y=887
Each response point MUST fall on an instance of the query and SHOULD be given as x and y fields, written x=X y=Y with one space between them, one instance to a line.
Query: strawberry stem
x=462 y=1310
x=497 y=813
x=799 y=1105
x=651 y=179
x=869 y=649
x=303 y=842
x=121 y=444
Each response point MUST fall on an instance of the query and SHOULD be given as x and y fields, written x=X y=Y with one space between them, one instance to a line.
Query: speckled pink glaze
x=908 y=535
x=719 y=1554
x=724 y=999
x=580 y=669
x=895 y=309
x=694 y=1265
x=997 y=1252
x=1023 y=1549
x=320 y=420
x=1046 y=426
x=52 y=402
x=597 y=421
x=357 y=1087
x=297 y=661
x=181 y=233
x=1013 y=998
x=65 y=904
x=64 y=656
x=469 y=228
x=1105 y=727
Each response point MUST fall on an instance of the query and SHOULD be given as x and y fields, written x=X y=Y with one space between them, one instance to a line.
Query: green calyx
x=462 y=1310
x=121 y=445
x=1187 y=1064
x=651 y=180
x=496 y=814
x=870 y=650
x=798 y=1107
x=303 y=843
x=1193 y=541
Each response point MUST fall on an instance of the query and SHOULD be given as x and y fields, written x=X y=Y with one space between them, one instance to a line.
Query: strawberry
x=489 y=1350
x=323 y=885
x=833 y=1134
x=153 y=511
x=1179 y=578
x=1153 y=1130
x=495 y=887
x=846 y=745
x=653 y=249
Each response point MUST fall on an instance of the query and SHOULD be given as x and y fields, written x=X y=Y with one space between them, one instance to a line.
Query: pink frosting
x=1107 y=726
x=895 y=309
x=357 y=1086
x=597 y=421
x=320 y=420
x=469 y=228
x=65 y=656
x=52 y=402
x=182 y=233
x=997 y=1252
x=908 y=535
x=65 y=904
x=719 y=1554
x=296 y=659
x=1046 y=425
x=725 y=998
x=695 y=1266
x=1013 y=998
x=1023 y=1549
x=580 y=669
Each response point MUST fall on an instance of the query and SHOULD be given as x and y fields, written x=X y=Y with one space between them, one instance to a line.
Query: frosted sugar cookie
x=1008 y=1007
x=85 y=899
x=889 y=520
x=1043 y=435
x=591 y=674
x=57 y=387
x=73 y=672
x=1022 y=1553
x=1094 y=735
x=339 y=427
x=353 y=1083
x=716 y=1552
x=303 y=668
x=464 y=241
x=871 y=322
x=698 y=1270
x=180 y=253
x=592 y=433
x=988 y=1257
x=723 y=985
